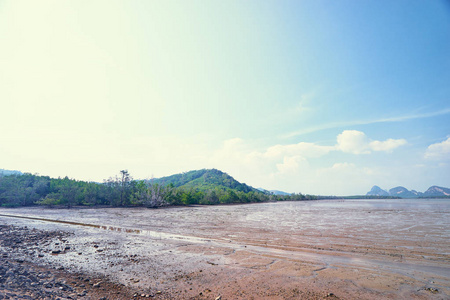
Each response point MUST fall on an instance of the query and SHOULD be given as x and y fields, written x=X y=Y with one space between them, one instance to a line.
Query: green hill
x=205 y=179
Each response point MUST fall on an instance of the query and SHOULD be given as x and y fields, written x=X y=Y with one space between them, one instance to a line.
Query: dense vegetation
x=195 y=187
x=205 y=180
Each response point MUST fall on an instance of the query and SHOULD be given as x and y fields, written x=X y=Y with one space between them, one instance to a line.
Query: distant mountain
x=205 y=179
x=4 y=172
x=437 y=191
x=377 y=191
x=402 y=192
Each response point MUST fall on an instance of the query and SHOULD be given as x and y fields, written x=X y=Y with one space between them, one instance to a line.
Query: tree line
x=121 y=191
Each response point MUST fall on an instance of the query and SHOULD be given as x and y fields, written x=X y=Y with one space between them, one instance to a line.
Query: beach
x=340 y=249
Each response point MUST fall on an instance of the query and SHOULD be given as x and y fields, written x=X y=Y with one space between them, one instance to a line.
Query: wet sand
x=296 y=250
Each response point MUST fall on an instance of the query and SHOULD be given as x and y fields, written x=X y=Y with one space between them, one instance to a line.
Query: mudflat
x=351 y=249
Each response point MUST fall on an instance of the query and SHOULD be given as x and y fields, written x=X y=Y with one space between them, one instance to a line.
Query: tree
x=69 y=192
x=120 y=189
x=91 y=194
x=152 y=194
x=125 y=187
x=211 y=196
x=112 y=191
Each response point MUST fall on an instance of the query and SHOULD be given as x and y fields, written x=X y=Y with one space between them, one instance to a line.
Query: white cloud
x=292 y=164
x=356 y=142
x=352 y=141
x=266 y=166
x=439 y=151
x=388 y=145
x=239 y=149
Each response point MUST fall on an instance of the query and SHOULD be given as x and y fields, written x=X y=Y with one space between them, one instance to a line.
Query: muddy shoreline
x=229 y=252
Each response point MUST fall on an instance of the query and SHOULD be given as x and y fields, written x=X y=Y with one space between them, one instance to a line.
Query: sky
x=315 y=97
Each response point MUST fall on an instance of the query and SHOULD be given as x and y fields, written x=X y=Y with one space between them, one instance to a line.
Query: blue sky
x=320 y=97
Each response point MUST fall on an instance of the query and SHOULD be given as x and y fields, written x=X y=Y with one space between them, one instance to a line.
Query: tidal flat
x=340 y=249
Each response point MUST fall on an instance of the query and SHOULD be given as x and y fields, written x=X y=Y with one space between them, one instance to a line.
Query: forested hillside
x=194 y=187
x=205 y=180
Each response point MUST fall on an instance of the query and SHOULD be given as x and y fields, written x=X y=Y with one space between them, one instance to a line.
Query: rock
x=56 y=251
x=48 y=285
x=219 y=298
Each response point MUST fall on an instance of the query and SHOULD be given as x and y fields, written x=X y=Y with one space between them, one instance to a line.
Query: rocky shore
x=20 y=278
